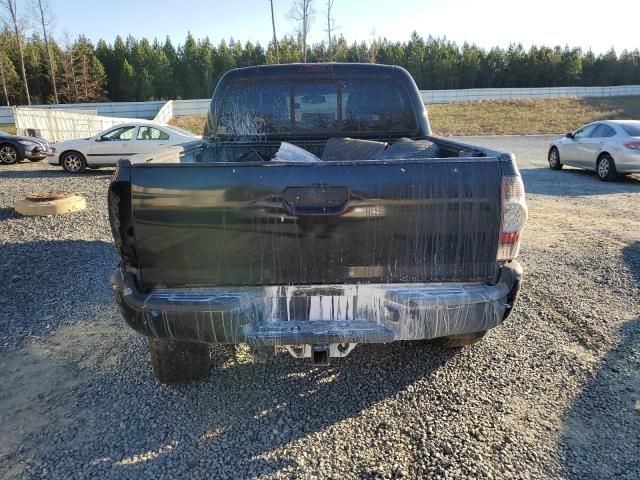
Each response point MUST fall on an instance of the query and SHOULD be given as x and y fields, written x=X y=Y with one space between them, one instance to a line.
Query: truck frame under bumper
x=317 y=314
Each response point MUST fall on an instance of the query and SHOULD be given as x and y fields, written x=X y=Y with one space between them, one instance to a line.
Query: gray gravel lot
x=549 y=394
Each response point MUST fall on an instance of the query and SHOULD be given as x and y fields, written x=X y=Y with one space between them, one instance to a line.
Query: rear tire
x=554 y=159
x=606 y=168
x=73 y=162
x=179 y=362
x=458 y=341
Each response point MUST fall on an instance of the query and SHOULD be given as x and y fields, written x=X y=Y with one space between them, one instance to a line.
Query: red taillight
x=633 y=145
x=509 y=238
x=514 y=217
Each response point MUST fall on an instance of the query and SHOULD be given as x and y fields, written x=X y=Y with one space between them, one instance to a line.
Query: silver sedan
x=607 y=147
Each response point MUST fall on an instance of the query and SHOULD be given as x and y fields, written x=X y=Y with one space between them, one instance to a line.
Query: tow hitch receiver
x=320 y=356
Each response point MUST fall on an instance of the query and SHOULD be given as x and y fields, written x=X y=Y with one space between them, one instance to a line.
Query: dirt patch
x=519 y=117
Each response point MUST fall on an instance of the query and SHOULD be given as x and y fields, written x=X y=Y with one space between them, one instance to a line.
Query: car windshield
x=258 y=108
x=632 y=128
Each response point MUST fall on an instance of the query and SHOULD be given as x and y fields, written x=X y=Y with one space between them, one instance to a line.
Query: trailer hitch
x=320 y=354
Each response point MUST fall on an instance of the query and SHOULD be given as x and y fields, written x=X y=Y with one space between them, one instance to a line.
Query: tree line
x=35 y=67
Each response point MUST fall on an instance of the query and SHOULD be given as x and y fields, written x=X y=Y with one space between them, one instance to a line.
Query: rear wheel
x=178 y=362
x=8 y=154
x=554 y=159
x=457 y=341
x=73 y=162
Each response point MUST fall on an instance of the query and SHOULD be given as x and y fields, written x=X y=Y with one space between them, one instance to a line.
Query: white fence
x=185 y=108
x=181 y=108
x=165 y=114
x=58 y=125
x=110 y=109
x=474 y=94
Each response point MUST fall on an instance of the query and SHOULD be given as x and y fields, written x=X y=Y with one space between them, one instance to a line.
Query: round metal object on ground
x=50 y=203
x=47 y=196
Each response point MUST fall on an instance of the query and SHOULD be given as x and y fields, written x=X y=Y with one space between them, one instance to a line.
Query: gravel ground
x=549 y=394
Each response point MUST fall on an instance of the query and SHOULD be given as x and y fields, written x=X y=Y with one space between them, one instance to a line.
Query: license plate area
x=291 y=332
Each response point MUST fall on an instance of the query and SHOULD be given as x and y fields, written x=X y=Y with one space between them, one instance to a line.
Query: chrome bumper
x=314 y=314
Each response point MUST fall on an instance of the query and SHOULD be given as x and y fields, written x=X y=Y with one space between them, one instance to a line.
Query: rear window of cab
x=255 y=108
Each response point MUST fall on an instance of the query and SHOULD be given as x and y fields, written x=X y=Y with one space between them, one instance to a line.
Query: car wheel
x=554 y=159
x=457 y=341
x=73 y=162
x=178 y=362
x=606 y=168
x=8 y=154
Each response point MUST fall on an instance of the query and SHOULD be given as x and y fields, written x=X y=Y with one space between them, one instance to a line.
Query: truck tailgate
x=319 y=223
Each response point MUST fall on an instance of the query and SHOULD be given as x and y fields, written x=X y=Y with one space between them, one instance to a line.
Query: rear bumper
x=628 y=161
x=290 y=315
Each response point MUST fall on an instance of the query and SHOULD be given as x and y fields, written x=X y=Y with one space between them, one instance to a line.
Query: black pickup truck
x=318 y=212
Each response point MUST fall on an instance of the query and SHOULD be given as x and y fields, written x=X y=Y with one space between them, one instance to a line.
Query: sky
x=589 y=24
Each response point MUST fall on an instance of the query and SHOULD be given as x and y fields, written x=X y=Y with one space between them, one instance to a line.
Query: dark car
x=15 y=148
x=317 y=213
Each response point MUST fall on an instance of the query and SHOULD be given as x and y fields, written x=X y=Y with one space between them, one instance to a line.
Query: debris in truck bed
x=289 y=152
x=352 y=149
x=251 y=156
x=337 y=149
x=407 y=148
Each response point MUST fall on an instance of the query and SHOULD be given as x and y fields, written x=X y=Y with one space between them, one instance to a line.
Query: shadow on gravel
x=119 y=423
x=45 y=283
x=6 y=212
x=570 y=181
x=54 y=172
x=601 y=431
x=81 y=399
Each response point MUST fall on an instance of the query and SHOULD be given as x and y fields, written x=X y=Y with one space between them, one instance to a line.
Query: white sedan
x=122 y=141
x=607 y=147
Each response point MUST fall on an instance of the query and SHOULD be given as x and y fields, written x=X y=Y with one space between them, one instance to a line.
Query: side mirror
x=569 y=135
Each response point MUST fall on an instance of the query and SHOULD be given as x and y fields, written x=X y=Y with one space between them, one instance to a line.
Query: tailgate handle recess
x=316 y=200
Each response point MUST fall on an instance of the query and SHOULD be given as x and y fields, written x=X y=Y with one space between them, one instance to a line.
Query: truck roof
x=315 y=68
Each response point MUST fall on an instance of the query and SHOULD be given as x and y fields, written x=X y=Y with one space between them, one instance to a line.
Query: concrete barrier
x=475 y=94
